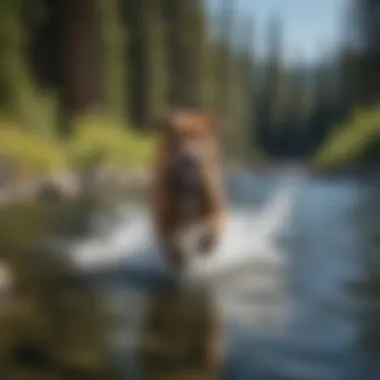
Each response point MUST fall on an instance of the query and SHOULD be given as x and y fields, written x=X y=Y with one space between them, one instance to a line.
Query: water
x=294 y=280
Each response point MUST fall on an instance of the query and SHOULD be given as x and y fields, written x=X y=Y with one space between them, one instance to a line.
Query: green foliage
x=113 y=40
x=121 y=148
x=350 y=143
x=30 y=153
x=147 y=54
x=19 y=93
x=33 y=154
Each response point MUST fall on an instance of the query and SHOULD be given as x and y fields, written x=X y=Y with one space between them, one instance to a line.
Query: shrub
x=32 y=154
x=29 y=153
x=349 y=144
x=120 y=148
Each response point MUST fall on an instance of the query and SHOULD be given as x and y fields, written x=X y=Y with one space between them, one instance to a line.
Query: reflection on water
x=181 y=337
x=367 y=287
x=311 y=315
x=304 y=317
x=52 y=324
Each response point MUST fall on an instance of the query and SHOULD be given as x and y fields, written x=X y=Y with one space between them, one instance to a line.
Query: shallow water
x=295 y=280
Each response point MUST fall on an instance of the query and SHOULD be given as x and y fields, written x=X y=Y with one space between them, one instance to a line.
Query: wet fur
x=173 y=210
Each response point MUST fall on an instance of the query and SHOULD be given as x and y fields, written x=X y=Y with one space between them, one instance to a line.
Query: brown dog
x=187 y=188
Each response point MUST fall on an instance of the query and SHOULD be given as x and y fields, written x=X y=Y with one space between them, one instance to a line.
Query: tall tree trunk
x=245 y=137
x=77 y=92
x=155 y=84
x=175 y=17
x=112 y=59
x=224 y=71
x=369 y=60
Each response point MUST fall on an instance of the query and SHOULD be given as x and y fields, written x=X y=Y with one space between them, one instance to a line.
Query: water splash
x=249 y=238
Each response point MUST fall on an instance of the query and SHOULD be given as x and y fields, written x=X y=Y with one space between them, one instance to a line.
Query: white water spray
x=249 y=238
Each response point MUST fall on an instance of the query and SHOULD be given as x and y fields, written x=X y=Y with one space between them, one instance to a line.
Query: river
x=296 y=279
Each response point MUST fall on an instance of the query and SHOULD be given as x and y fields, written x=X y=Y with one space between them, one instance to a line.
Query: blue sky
x=310 y=26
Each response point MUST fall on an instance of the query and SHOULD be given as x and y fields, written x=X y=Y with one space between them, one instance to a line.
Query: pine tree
x=19 y=94
x=269 y=113
x=243 y=90
x=112 y=59
x=368 y=30
x=225 y=74
x=178 y=66
x=197 y=41
x=77 y=92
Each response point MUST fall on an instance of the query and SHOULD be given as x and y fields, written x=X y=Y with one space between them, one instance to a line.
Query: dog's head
x=190 y=143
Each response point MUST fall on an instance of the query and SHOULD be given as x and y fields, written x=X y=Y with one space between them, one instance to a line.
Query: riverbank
x=362 y=173
x=70 y=185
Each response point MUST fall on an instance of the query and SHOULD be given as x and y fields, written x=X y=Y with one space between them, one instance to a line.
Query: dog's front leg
x=211 y=233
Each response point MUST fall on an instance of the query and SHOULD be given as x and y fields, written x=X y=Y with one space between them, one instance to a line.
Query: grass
x=32 y=154
x=120 y=147
x=350 y=143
